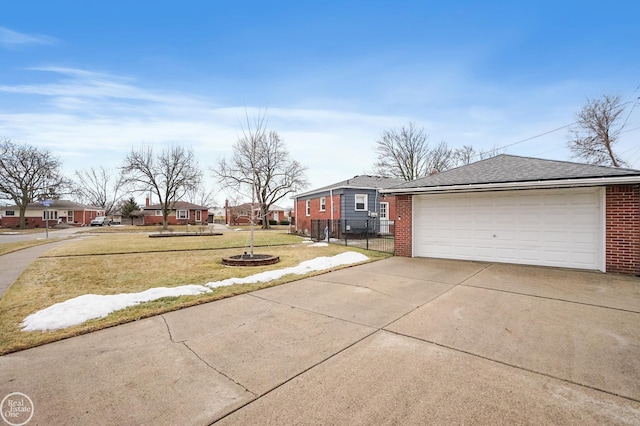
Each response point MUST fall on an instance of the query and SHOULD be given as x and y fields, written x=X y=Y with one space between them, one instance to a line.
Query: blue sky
x=92 y=80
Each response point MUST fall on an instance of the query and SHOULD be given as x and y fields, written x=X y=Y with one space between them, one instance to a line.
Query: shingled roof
x=509 y=169
x=358 y=182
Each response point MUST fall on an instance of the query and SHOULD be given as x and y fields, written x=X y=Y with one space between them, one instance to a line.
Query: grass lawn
x=11 y=247
x=137 y=263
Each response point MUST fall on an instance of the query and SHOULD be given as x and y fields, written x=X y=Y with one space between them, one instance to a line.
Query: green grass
x=82 y=268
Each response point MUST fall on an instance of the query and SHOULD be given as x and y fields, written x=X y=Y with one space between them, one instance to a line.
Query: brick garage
x=582 y=216
x=623 y=229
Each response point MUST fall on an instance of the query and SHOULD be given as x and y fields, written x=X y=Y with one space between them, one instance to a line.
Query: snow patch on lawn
x=91 y=306
x=318 y=245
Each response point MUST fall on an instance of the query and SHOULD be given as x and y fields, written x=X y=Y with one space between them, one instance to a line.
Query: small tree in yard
x=261 y=168
x=129 y=207
x=168 y=175
x=597 y=131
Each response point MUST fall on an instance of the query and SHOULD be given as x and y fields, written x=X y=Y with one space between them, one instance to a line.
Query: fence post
x=367 y=233
x=346 y=233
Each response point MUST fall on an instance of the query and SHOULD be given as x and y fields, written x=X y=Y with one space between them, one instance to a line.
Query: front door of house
x=384 y=218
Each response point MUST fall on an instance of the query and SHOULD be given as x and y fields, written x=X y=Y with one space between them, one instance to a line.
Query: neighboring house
x=182 y=213
x=216 y=215
x=355 y=199
x=241 y=214
x=60 y=211
x=524 y=210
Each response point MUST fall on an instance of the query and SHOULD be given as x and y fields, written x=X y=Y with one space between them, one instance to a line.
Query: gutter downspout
x=295 y=207
x=331 y=202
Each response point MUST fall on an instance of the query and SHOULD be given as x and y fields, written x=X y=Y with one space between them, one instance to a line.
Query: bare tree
x=440 y=158
x=98 y=187
x=169 y=175
x=597 y=131
x=201 y=196
x=467 y=155
x=261 y=167
x=28 y=174
x=406 y=154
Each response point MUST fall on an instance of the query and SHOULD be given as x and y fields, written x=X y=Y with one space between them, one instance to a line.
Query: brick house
x=60 y=211
x=524 y=210
x=241 y=214
x=355 y=199
x=182 y=213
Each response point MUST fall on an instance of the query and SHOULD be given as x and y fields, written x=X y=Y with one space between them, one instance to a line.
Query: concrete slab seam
x=315 y=312
x=356 y=285
x=514 y=366
x=184 y=343
x=322 y=361
x=550 y=298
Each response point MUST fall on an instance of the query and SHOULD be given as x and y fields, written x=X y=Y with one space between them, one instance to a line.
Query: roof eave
x=504 y=186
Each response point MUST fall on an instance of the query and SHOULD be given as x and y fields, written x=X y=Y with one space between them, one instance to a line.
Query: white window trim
x=158 y=213
x=323 y=204
x=307 y=207
x=50 y=215
x=180 y=214
x=366 y=202
x=385 y=208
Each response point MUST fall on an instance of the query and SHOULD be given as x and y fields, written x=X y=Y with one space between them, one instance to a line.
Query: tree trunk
x=23 y=219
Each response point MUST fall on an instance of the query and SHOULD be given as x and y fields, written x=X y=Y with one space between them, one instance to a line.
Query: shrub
x=284 y=222
x=273 y=222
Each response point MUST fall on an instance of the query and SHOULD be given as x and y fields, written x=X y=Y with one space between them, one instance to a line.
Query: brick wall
x=403 y=245
x=623 y=229
x=303 y=222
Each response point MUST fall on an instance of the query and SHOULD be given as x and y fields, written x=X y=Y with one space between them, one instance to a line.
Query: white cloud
x=12 y=39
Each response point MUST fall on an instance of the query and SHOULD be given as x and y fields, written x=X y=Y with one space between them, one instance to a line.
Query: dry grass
x=130 y=243
x=11 y=247
x=51 y=280
x=16 y=231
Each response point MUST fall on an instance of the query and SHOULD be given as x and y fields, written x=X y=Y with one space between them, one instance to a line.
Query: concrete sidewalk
x=399 y=341
x=12 y=264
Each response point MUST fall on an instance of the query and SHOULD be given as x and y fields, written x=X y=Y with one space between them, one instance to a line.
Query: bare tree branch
x=99 y=188
x=261 y=165
x=27 y=174
x=169 y=175
x=406 y=154
x=597 y=131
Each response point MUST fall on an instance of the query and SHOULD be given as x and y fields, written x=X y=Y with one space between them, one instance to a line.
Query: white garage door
x=535 y=227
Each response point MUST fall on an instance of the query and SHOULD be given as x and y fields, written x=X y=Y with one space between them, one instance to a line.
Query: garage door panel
x=543 y=227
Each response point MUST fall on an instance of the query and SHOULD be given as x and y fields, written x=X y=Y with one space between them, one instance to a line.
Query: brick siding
x=623 y=229
x=403 y=224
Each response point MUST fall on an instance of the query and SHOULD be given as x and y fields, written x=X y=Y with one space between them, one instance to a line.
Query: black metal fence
x=370 y=234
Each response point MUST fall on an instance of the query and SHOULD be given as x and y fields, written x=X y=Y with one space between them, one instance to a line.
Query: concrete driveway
x=399 y=341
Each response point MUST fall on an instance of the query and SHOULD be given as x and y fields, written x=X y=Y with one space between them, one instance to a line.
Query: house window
x=384 y=211
x=198 y=215
x=323 y=204
x=50 y=214
x=158 y=213
x=308 y=204
x=70 y=214
x=10 y=213
x=361 y=202
x=182 y=214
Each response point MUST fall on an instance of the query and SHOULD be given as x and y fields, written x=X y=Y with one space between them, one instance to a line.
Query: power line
x=528 y=139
